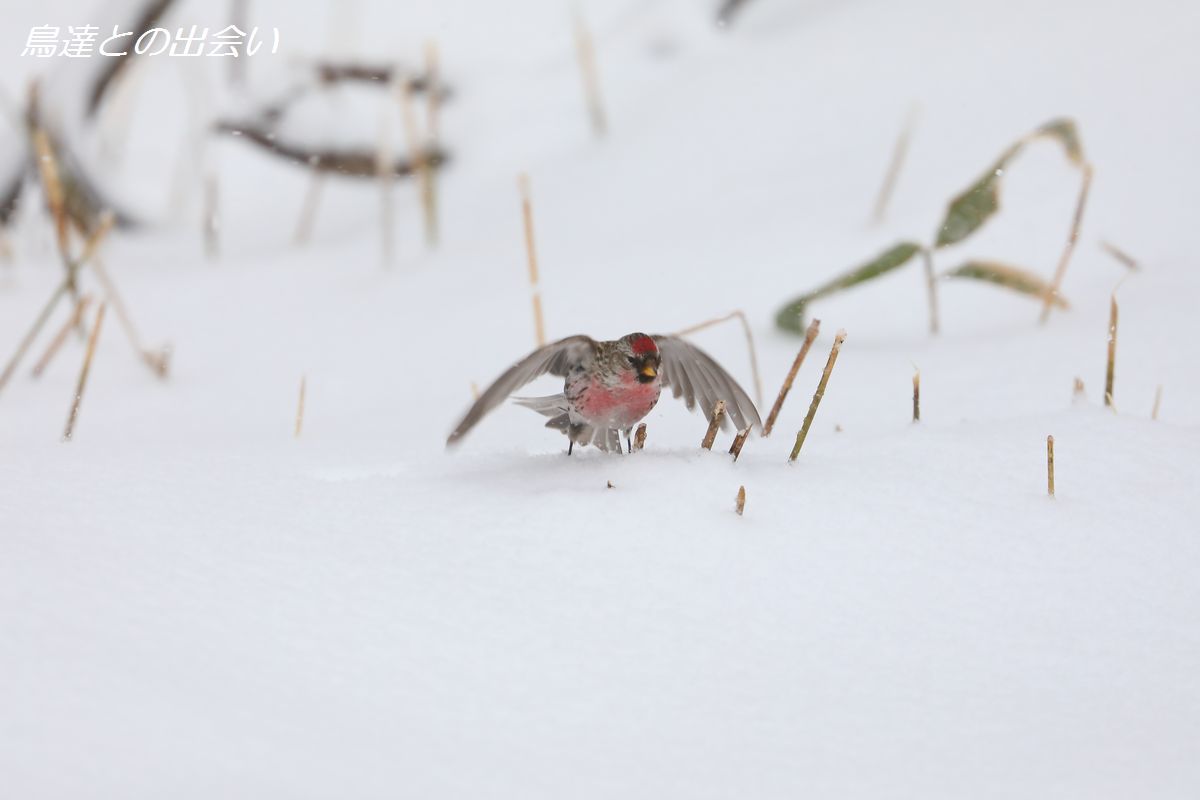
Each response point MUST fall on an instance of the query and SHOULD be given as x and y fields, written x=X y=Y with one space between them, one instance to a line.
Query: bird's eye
x=633 y=361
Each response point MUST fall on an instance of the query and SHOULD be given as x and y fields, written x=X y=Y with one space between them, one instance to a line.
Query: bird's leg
x=628 y=441
x=571 y=446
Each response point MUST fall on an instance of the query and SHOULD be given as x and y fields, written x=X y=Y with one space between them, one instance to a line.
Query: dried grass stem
x=714 y=425
x=813 y=328
x=816 y=401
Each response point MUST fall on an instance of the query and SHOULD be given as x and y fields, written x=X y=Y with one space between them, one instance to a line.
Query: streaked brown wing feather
x=554 y=359
x=690 y=371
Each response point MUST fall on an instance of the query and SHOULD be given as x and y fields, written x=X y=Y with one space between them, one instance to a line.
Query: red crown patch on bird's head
x=642 y=344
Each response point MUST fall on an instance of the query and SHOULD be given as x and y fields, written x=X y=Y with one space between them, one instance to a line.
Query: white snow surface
x=194 y=603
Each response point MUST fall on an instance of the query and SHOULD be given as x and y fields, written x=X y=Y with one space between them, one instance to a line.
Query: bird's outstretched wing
x=693 y=373
x=555 y=358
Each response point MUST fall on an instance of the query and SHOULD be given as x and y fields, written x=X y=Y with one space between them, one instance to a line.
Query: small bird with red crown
x=610 y=386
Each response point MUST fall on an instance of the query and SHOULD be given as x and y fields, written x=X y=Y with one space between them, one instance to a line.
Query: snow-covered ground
x=194 y=603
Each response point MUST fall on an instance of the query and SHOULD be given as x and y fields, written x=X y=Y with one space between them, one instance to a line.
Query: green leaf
x=1015 y=278
x=791 y=316
x=1065 y=131
x=971 y=209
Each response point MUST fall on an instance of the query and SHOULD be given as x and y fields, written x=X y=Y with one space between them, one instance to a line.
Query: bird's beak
x=648 y=370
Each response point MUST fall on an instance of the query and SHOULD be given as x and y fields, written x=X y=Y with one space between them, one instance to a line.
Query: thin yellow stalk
x=1112 y=351
x=816 y=401
x=300 y=407
x=527 y=217
x=212 y=217
x=813 y=328
x=587 y=69
x=741 y=500
x=52 y=185
x=1052 y=291
x=1120 y=255
x=421 y=166
x=1050 y=465
x=931 y=291
x=157 y=361
x=75 y=319
x=539 y=325
x=433 y=92
x=93 y=241
x=433 y=99
x=899 y=151
x=385 y=173
x=83 y=374
x=308 y=212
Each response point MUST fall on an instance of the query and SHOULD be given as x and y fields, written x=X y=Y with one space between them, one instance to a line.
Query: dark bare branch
x=149 y=16
x=331 y=73
x=350 y=163
x=729 y=9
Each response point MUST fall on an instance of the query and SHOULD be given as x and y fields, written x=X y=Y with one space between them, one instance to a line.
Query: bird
x=610 y=385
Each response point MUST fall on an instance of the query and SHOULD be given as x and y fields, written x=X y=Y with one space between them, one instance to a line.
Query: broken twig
x=639 y=437
x=813 y=328
x=714 y=425
x=735 y=449
x=346 y=163
x=816 y=401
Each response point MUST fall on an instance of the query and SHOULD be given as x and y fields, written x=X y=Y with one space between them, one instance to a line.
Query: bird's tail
x=549 y=406
x=553 y=406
